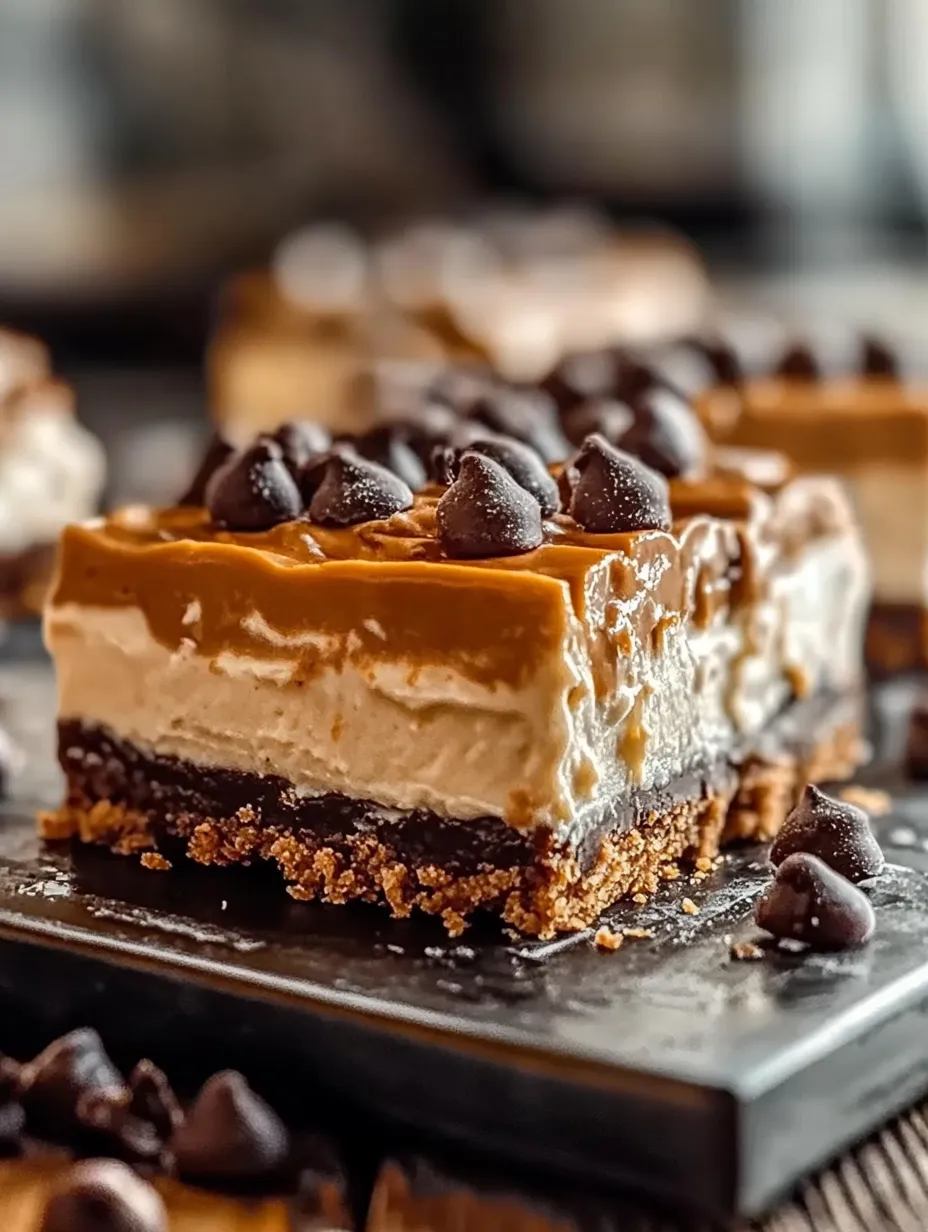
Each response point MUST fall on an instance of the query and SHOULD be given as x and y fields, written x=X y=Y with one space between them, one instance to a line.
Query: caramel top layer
x=823 y=425
x=386 y=589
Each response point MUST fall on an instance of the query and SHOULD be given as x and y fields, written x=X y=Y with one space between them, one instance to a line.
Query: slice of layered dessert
x=868 y=425
x=51 y=471
x=510 y=691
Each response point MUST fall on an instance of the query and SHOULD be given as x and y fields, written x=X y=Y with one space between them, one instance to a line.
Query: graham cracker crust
x=535 y=883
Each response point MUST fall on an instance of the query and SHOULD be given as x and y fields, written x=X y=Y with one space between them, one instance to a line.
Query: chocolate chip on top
x=608 y=416
x=353 y=490
x=254 y=490
x=521 y=462
x=299 y=441
x=834 y=830
x=665 y=434
x=579 y=377
x=811 y=903
x=51 y=1085
x=486 y=513
x=878 y=359
x=103 y=1195
x=610 y=491
x=529 y=415
x=217 y=452
x=798 y=363
x=388 y=445
x=229 y=1131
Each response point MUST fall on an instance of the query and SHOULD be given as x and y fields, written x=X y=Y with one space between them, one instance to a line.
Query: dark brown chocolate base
x=338 y=849
x=897 y=638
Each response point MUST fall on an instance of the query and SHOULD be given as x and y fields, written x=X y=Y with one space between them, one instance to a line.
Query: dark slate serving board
x=666 y=1066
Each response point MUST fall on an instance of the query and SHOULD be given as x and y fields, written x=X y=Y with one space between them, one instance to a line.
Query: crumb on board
x=745 y=951
x=638 y=932
x=155 y=861
x=689 y=907
x=670 y=872
x=606 y=939
x=704 y=864
x=640 y=899
x=870 y=799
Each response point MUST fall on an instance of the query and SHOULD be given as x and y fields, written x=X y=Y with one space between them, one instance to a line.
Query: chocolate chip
x=120 y=1133
x=611 y=491
x=299 y=441
x=834 y=830
x=811 y=903
x=388 y=445
x=798 y=363
x=519 y=461
x=460 y=387
x=916 y=748
x=485 y=512
x=722 y=359
x=581 y=377
x=355 y=490
x=878 y=359
x=665 y=434
x=51 y=1085
x=153 y=1100
x=12 y=1124
x=229 y=1132
x=633 y=378
x=102 y=1195
x=217 y=452
x=529 y=415
x=254 y=490
x=607 y=416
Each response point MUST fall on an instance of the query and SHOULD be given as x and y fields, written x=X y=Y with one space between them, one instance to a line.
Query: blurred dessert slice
x=51 y=471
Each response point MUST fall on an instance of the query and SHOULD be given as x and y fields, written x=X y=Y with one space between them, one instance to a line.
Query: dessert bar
x=51 y=471
x=870 y=427
x=507 y=692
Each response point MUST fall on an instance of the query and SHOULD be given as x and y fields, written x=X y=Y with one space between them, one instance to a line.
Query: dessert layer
x=531 y=688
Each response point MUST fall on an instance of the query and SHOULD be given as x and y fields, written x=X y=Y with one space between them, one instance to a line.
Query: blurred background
x=150 y=149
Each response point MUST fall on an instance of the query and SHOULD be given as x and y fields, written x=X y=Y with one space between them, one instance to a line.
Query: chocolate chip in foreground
x=354 y=490
x=916 y=746
x=229 y=1132
x=798 y=363
x=388 y=446
x=811 y=903
x=878 y=359
x=300 y=440
x=12 y=1114
x=522 y=463
x=51 y=1085
x=254 y=490
x=153 y=1100
x=611 y=491
x=102 y=1195
x=834 y=830
x=486 y=513
x=116 y=1129
x=218 y=451
x=665 y=433
x=529 y=415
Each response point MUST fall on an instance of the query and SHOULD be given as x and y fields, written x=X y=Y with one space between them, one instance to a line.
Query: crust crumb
x=746 y=951
x=155 y=861
x=670 y=872
x=640 y=899
x=638 y=932
x=606 y=939
x=689 y=907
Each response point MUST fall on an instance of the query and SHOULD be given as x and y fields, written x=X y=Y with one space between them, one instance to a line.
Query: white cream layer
x=551 y=752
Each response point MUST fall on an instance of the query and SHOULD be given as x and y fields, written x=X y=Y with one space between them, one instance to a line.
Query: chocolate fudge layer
x=871 y=429
x=51 y=471
x=473 y=701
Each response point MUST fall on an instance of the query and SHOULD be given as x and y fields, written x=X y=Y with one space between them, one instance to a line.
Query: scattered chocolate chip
x=460 y=387
x=254 y=490
x=124 y=1135
x=634 y=378
x=798 y=363
x=916 y=745
x=353 y=490
x=217 y=452
x=834 y=830
x=581 y=377
x=229 y=1132
x=388 y=445
x=51 y=1085
x=103 y=1195
x=153 y=1100
x=811 y=903
x=722 y=359
x=606 y=416
x=611 y=491
x=486 y=513
x=519 y=461
x=877 y=358
x=529 y=415
x=665 y=434
x=299 y=441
